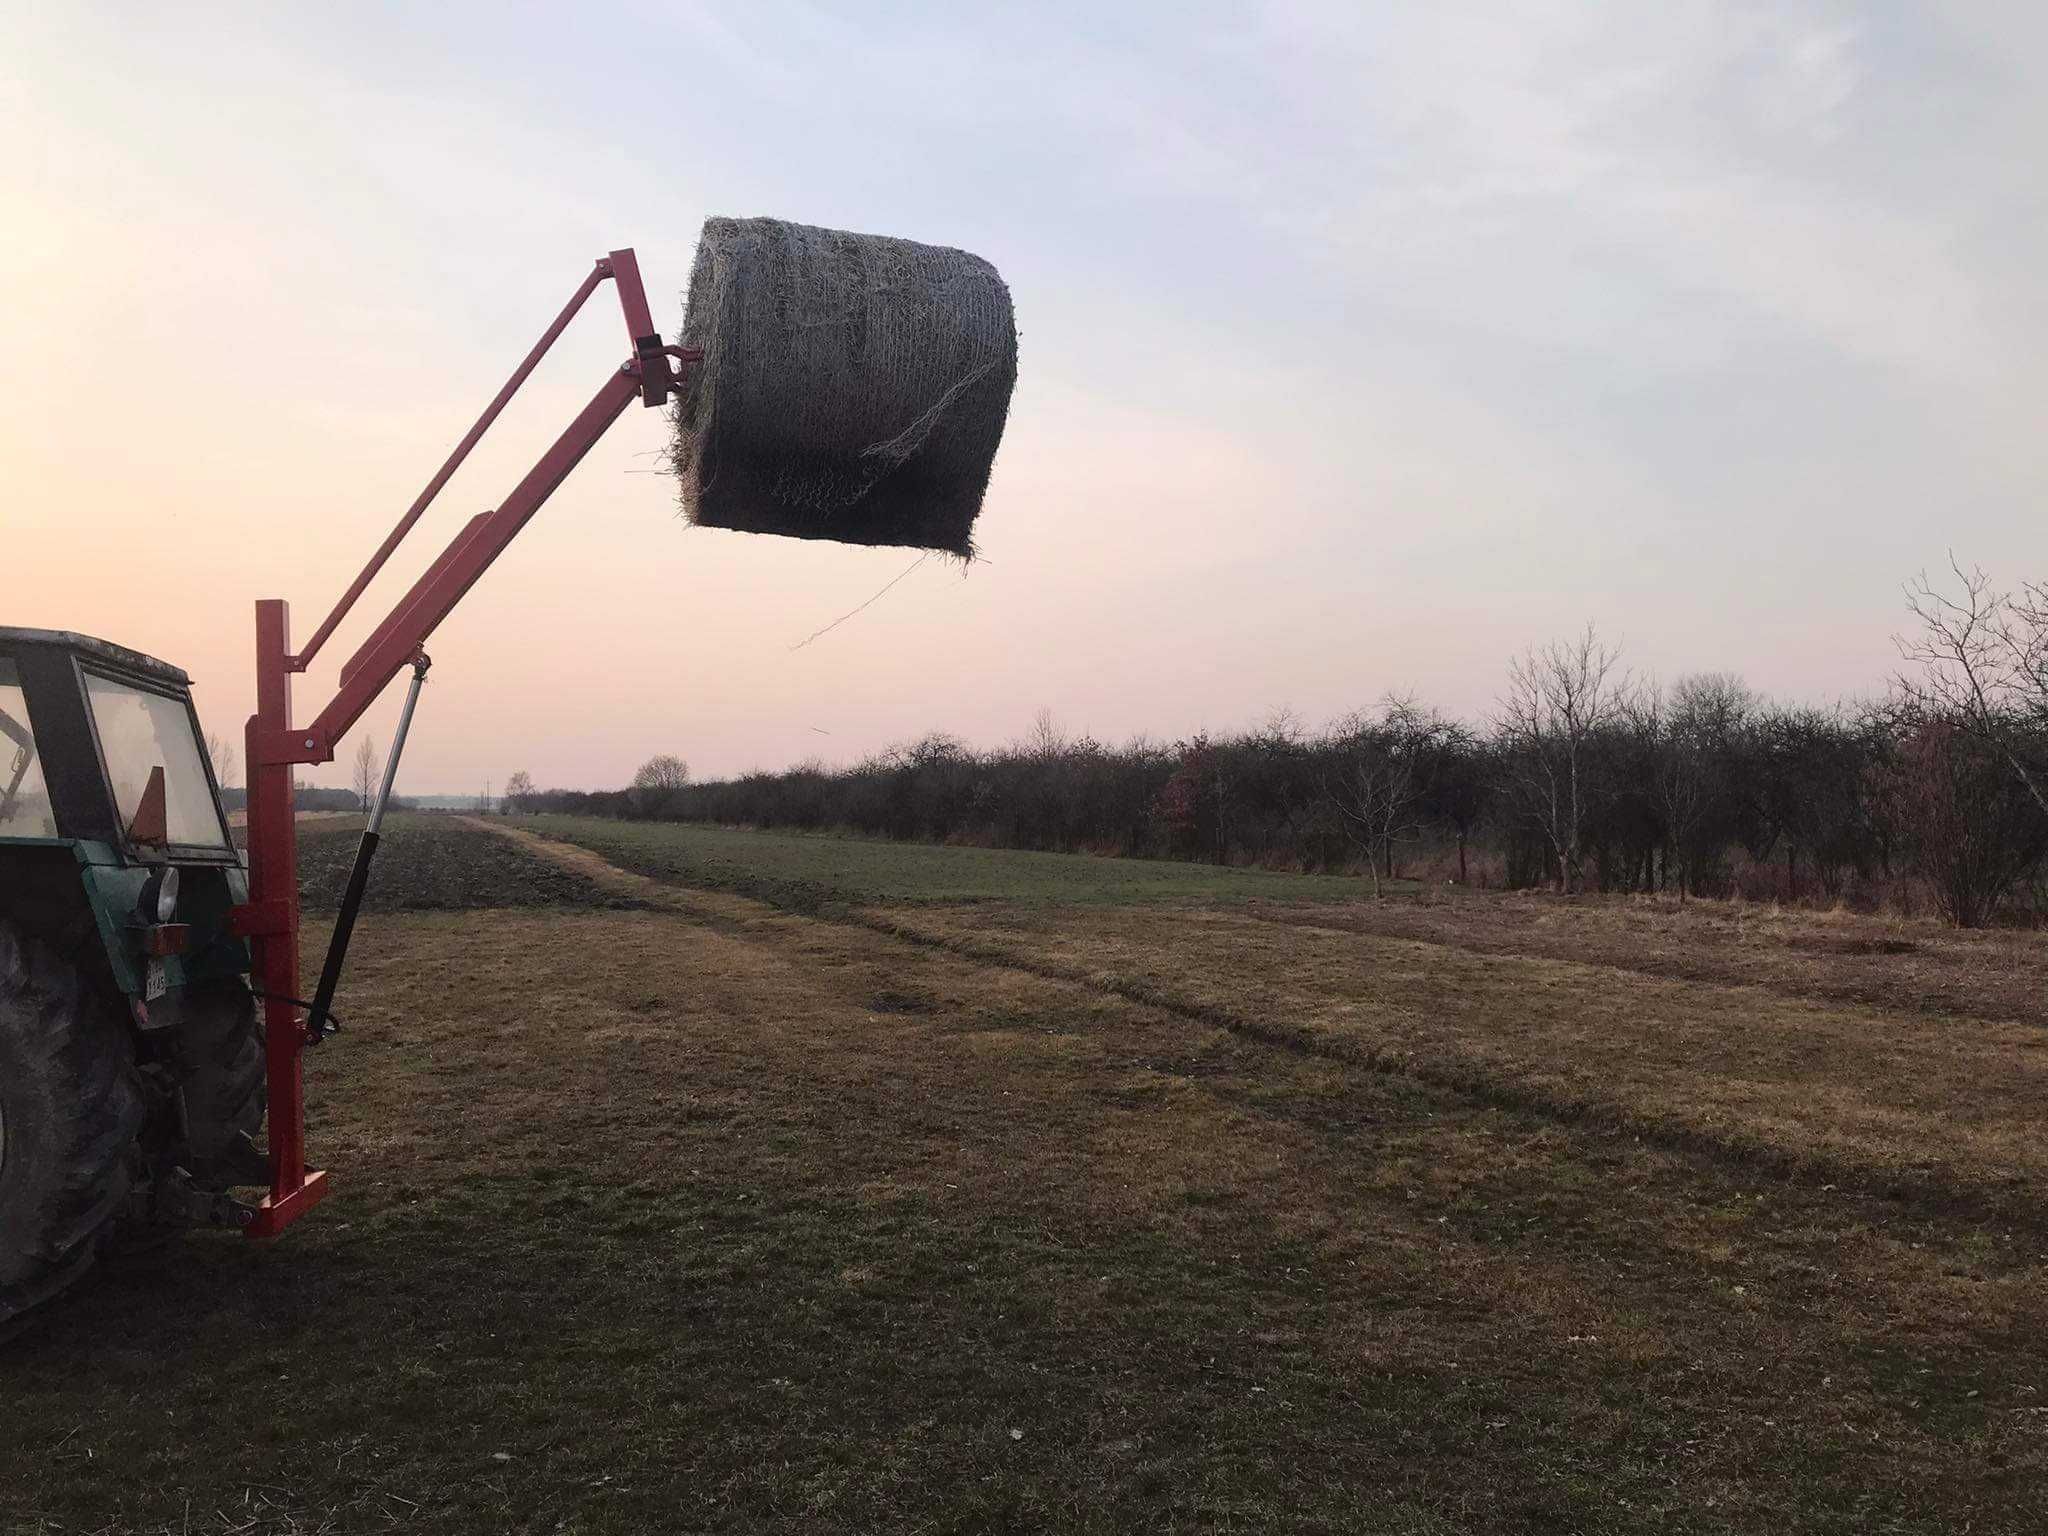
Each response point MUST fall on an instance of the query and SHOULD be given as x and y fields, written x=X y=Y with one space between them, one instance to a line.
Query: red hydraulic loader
x=151 y=1008
x=269 y=920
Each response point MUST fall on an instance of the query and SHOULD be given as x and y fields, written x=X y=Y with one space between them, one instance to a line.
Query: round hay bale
x=853 y=387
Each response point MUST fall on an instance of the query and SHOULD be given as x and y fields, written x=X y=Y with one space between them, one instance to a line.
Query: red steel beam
x=271 y=922
x=625 y=270
x=397 y=615
x=425 y=499
x=464 y=561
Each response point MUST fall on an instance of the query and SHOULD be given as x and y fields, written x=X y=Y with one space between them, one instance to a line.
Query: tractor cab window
x=24 y=803
x=147 y=738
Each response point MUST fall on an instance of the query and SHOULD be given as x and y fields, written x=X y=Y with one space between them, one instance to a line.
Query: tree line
x=1583 y=778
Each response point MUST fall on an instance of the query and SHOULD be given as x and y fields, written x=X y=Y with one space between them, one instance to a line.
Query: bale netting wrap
x=853 y=387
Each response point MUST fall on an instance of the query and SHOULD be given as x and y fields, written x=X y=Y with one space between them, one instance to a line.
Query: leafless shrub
x=1973 y=830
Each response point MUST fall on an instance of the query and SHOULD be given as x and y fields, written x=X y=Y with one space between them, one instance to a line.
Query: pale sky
x=1362 y=346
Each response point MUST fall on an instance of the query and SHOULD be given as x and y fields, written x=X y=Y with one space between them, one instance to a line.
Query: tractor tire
x=223 y=1072
x=71 y=1108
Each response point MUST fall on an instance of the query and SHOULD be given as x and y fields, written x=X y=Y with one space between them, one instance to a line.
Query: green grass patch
x=807 y=872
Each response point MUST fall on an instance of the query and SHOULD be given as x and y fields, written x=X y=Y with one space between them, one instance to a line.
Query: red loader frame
x=274 y=746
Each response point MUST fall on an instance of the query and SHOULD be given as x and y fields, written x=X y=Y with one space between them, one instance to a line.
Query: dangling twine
x=920 y=560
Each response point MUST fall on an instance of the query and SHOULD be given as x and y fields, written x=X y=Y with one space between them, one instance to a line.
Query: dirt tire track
x=1930 y=1194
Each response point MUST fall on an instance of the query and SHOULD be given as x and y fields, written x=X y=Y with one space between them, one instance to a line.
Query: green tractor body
x=131 y=1066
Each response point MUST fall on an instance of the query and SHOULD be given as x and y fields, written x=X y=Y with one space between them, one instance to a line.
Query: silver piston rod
x=320 y=1020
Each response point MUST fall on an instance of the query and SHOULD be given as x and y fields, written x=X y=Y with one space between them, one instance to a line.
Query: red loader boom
x=275 y=745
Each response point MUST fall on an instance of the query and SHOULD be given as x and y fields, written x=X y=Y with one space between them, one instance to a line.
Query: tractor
x=150 y=1008
x=131 y=1066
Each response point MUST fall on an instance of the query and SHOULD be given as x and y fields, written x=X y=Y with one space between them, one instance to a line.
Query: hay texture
x=853 y=387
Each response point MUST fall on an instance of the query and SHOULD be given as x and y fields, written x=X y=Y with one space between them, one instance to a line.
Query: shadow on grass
x=645 y=1358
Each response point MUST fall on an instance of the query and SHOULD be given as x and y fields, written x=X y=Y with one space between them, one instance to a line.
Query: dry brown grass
x=1906 y=965
x=715 y=1217
x=1909 y=1104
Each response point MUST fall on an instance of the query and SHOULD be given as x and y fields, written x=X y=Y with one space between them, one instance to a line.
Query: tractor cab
x=108 y=798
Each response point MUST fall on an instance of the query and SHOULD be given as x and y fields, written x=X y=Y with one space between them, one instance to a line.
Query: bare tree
x=1681 y=787
x=663 y=771
x=1283 y=726
x=1460 y=784
x=1047 y=741
x=1558 y=697
x=518 y=790
x=222 y=752
x=1652 y=756
x=1377 y=785
x=363 y=771
x=1982 y=656
x=657 y=780
x=1682 y=729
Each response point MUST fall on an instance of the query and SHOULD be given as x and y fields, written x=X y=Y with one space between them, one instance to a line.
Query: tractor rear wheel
x=71 y=1108
x=222 y=1071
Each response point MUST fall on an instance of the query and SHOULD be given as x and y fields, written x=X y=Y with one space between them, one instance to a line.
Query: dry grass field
x=701 y=1191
